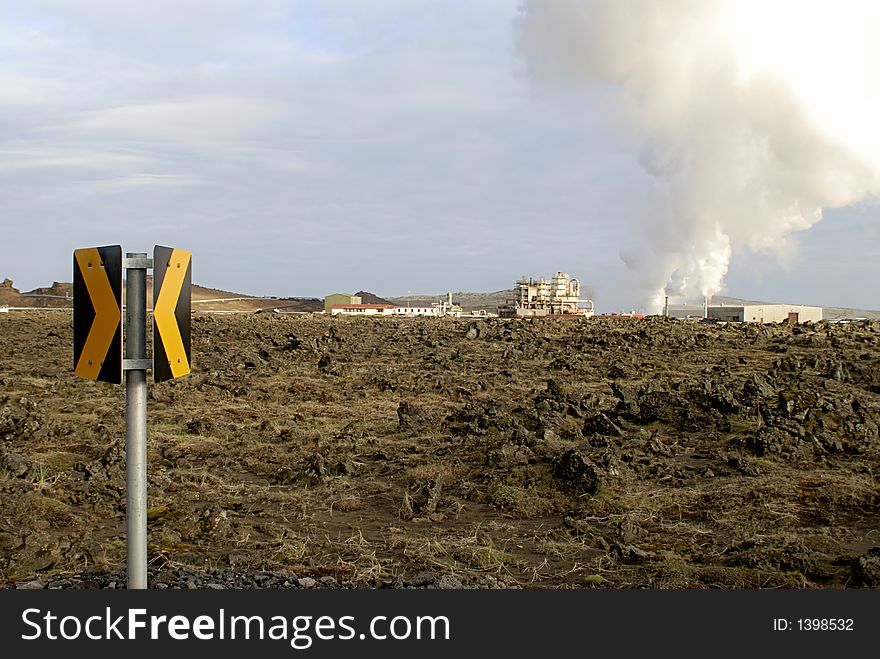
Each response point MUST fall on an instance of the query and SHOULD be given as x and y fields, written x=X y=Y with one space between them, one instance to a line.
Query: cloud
x=751 y=127
x=302 y=147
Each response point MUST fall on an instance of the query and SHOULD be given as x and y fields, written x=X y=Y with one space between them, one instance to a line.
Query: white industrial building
x=747 y=312
x=685 y=311
x=765 y=313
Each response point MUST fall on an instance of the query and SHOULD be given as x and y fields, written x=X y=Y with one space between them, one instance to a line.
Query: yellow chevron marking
x=107 y=313
x=163 y=311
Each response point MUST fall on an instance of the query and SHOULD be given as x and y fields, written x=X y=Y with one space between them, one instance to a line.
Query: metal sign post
x=135 y=366
x=97 y=330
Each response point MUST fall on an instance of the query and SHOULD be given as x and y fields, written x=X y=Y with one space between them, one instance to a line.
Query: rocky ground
x=308 y=451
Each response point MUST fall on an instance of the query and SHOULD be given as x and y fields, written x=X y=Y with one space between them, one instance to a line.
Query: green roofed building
x=340 y=298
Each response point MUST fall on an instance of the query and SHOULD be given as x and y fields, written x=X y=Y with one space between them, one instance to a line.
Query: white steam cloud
x=756 y=114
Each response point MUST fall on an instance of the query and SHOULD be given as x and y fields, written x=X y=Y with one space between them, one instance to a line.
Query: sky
x=302 y=148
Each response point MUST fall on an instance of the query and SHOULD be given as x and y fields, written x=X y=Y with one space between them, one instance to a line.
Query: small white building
x=440 y=309
x=435 y=310
x=417 y=311
x=765 y=313
x=363 y=309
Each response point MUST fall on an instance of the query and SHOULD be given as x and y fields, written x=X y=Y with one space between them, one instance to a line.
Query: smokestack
x=666 y=306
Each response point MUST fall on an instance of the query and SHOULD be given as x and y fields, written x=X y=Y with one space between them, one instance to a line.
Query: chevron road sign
x=98 y=355
x=172 y=279
x=97 y=313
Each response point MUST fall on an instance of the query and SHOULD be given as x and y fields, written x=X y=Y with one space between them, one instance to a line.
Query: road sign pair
x=97 y=313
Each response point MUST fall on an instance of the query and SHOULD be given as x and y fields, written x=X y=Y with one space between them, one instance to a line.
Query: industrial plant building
x=746 y=312
x=561 y=296
x=765 y=313
x=685 y=311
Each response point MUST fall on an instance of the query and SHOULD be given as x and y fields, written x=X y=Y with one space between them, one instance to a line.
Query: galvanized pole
x=135 y=365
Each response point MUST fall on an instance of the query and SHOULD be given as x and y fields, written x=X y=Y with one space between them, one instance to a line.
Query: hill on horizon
x=370 y=298
x=60 y=296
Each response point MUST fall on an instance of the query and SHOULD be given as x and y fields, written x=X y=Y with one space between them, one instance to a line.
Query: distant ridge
x=55 y=296
x=369 y=298
x=60 y=295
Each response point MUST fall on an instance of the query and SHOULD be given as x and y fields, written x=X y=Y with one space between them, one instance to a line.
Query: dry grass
x=261 y=458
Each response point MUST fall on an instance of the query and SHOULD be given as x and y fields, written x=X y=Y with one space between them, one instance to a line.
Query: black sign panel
x=172 y=281
x=97 y=313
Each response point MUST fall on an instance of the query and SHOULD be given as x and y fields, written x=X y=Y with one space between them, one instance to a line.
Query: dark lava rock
x=199 y=425
x=316 y=466
x=632 y=555
x=756 y=388
x=719 y=395
x=866 y=569
x=17 y=465
x=578 y=473
x=182 y=577
x=412 y=417
x=796 y=404
x=601 y=424
x=326 y=365
x=473 y=419
x=777 y=442
x=421 y=579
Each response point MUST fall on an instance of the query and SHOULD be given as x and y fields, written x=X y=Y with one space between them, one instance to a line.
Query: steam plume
x=756 y=114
